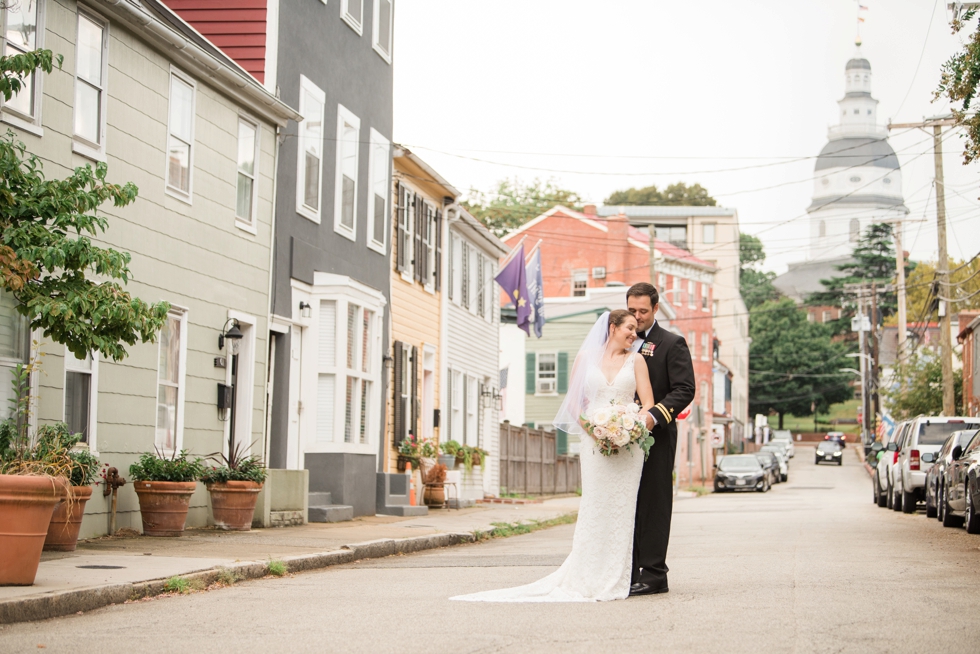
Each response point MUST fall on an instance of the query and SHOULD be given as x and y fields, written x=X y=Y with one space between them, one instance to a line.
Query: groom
x=672 y=377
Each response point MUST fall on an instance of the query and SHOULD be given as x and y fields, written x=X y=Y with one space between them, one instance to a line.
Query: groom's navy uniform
x=672 y=377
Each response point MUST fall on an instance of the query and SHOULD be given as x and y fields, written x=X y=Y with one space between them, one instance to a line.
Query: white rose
x=601 y=417
x=632 y=408
x=620 y=438
x=598 y=433
x=628 y=423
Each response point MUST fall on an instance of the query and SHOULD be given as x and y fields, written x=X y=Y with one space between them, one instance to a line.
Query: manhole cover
x=101 y=567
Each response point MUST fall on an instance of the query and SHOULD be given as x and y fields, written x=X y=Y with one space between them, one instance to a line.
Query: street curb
x=59 y=603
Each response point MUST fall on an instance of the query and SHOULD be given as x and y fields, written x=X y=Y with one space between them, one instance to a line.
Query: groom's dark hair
x=642 y=289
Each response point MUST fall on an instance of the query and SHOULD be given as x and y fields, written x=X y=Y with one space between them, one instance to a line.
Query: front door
x=294 y=453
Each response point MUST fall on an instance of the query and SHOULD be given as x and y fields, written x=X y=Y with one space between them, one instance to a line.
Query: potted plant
x=472 y=456
x=164 y=486
x=412 y=448
x=234 y=488
x=450 y=454
x=435 y=491
x=67 y=519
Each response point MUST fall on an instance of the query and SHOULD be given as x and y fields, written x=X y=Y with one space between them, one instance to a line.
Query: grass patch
x=508 y=529
x=177 y=584
x=227 y=577
x=277 y=567
x=700 y=490
x=826 y=421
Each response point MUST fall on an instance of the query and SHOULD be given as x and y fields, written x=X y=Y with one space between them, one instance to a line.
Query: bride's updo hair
x=617 y=318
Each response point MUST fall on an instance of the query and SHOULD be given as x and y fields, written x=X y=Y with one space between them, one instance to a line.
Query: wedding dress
x=600 y=564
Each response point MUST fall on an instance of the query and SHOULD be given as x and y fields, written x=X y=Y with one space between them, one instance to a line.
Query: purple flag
x=513 y=279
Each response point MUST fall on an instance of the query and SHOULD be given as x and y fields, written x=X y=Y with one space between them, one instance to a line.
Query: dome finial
x=860 y=19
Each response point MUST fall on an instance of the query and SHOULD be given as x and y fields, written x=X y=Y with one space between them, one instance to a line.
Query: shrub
x=157 y=467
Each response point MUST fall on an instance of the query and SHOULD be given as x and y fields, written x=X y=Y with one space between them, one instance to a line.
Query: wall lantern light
x=233 y=336
x=305 y=310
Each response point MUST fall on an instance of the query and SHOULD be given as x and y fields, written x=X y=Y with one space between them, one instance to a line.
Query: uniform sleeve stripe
x=664 y=412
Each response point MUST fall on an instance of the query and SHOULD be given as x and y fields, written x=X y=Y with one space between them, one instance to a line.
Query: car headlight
x=836 y=453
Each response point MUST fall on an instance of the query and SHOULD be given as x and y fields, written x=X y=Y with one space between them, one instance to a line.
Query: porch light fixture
x=305 y=310
x=388 y=361
x=233 y=335
x=490 y=395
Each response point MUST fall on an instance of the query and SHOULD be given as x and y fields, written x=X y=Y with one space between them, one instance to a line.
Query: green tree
x=958 y=81
x=755 y=285
x=921 y=286
x=795 y=363
x=919 y=387
x=514 y=203
x=679 y=194
x=872 y=260
x=48 y=261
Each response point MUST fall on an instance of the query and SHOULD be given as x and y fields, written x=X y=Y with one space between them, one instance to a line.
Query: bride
x=600 y=565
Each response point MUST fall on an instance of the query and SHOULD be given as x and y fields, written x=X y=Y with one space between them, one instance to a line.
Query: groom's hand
x=649 y=421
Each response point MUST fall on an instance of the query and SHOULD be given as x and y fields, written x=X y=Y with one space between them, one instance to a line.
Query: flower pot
x=403 y=460
x=435 y=495
x=233 y=503
x=163 y=506
x=448 y=460
x=67 y=520
x=26 y=505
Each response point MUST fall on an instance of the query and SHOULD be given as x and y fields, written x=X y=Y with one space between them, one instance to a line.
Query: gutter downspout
x=272 y=275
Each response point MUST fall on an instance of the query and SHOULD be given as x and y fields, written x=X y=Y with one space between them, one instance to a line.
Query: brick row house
x=969 y=326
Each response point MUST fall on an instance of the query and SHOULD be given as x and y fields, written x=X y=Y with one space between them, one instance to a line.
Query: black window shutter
x=419 y=207
x=438 y=271
x=398 y=422
x=414 y=383
x=400 y=222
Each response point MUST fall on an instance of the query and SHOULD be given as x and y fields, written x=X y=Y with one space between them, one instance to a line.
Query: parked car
x=780 y=453
x=940 y=461
x=785 y=436
x=740 y=472
x=830 y=452
x=956 y=500
x=887 y=458
x=770 y=464
x=836 y=436
x=926 y=434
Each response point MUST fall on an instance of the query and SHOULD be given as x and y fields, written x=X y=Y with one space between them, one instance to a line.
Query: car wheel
x=784 y=477
x=908 y=502
x=972 y=519
x=882 y=497
x=940 y=511
x=816 y=462
x=949 y=520
x=930 y=508
x=889 y=502
x=840 y=462
x=896 y=501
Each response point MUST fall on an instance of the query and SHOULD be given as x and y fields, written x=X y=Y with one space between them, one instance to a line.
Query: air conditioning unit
x=599 y=272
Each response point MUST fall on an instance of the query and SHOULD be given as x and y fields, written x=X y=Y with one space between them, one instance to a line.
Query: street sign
x=863 y=321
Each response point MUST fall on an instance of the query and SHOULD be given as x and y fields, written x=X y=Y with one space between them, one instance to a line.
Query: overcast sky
x=601 y=96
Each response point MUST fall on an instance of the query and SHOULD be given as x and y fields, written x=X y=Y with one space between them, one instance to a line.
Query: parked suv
x=924 y=435
x=785 y=437
x=882 y=479
x=958 y=493
x=937 y=472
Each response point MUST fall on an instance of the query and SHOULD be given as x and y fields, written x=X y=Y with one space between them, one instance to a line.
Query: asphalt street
x=811 y=566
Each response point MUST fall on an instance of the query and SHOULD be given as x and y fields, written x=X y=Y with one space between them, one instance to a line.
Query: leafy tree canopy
x=919 y=389
x=47 y=258
x=958 y=83
x=514 y=203
x=755 y=285
x=920 y=285
x=679 y=194
x=795 y=364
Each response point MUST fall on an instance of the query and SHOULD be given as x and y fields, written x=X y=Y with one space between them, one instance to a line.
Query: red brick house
x=969 y=322
x=580 y=251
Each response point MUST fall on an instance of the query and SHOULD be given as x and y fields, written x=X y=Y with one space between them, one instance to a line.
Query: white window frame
x=705 y=298
x=307 y=86
x=481 y=285
x=345 y=117
x=692 y=342
x=357 y=26
x=408 y=215
x=457 y=420
x=376 y=26
x=580 y=276
x=250 y=224
x=181 y=315
x=537 y=374
x=173 y=191
x=429 y=246
x=466 y=301
x=691 y=300
x=705 y=346
x=472 y=416
x=32 y=123
x=455 y=258
x=489 y=293
x=93 y=395
x=79 y=145
x=380 y=146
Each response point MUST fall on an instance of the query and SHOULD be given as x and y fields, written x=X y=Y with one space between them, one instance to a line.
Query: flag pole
x=510 y=256
x=537 y=245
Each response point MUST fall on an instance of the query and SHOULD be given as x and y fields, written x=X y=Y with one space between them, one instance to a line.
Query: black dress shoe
x=640 y=588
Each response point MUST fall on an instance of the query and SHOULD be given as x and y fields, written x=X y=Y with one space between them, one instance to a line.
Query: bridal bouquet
x=618 y=426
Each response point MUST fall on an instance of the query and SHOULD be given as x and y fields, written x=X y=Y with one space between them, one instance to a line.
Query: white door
x=293 y=451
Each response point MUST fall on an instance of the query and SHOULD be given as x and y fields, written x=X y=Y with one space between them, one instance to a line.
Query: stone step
x=320 y=499
x=404 y=510
x=331 y=513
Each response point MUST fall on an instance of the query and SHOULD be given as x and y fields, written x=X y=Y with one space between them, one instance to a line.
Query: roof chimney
x=589 y=210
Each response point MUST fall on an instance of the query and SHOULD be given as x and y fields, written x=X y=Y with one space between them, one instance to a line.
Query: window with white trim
x=309 y=159
x=580 y=282
x=547 y=372
x=705 y=350
x=379 y=163
x=22 y=33
x=691 y=342
x=15 y=344
x=383 y=20
x=180 y=142
x=472 y=436
x=247 y=156
x=345 y=193
x=488 y=276
x=705 y=293
x=465 y=276
x=661 y=281
x=170 y=382
x=691 y=299
x=352 y=11
x=456 y=406
x=81 y=391
x=455 y=268
x=429 y=246
x=481 y=294
x=91 y=55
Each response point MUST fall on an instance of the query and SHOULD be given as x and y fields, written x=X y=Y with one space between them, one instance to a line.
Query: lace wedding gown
x=600 y=564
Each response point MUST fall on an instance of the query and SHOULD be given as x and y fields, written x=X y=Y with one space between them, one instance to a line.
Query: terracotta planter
x=233 y=504
x=26 y=505
x=67 y=520
x=435 y=495
x=163 y=506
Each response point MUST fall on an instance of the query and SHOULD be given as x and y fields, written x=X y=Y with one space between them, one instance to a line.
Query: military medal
x=647 y=349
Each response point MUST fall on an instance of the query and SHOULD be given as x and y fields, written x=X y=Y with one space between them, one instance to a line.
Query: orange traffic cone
x=411 y=483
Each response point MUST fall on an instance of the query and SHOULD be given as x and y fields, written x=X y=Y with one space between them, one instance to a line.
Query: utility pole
x=942 y=266
x=873 y=363
x=864 y=368
x=900 y=272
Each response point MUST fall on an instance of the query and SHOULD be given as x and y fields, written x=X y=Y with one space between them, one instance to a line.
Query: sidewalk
x=114 y=570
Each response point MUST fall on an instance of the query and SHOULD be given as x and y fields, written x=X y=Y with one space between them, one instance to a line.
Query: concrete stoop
x=322 y=509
